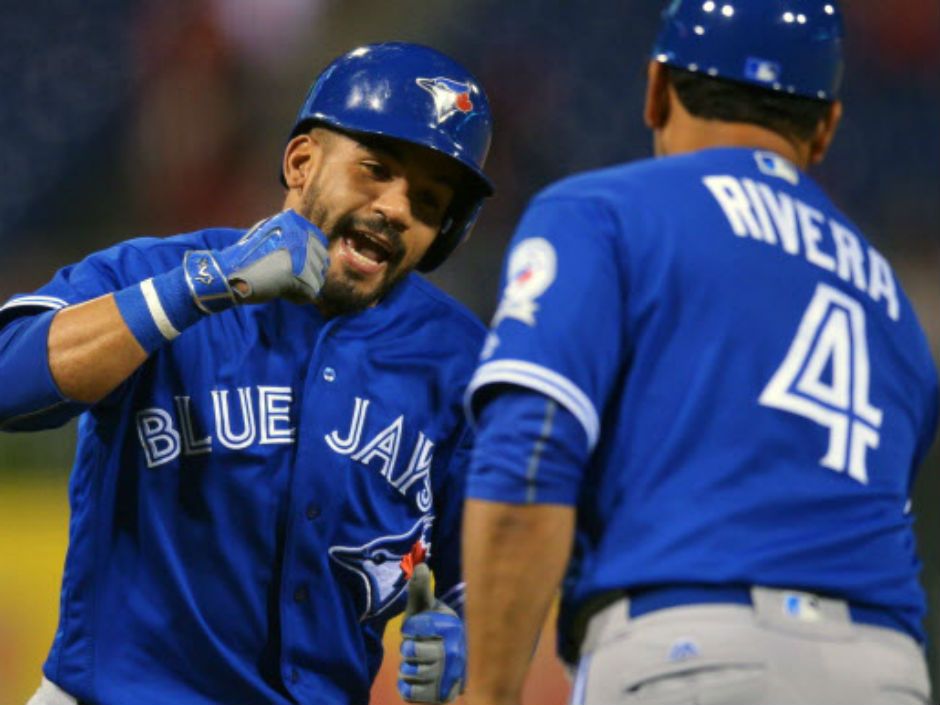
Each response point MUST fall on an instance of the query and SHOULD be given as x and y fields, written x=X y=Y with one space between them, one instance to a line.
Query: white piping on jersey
x=41 y=301
x=539 y=379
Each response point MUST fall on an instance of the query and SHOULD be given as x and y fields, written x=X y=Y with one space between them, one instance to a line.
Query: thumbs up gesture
x=433 y=649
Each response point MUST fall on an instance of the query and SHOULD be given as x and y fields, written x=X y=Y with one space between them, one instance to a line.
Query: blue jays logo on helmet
x=378 y=567
x=450 y=96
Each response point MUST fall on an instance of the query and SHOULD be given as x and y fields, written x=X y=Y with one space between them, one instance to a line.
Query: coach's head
x=722 y=69
x=386 y=157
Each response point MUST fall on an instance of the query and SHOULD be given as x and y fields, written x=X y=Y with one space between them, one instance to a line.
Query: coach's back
x=767 y=392
x=703 y=399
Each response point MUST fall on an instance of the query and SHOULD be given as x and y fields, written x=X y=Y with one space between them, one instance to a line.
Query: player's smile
x=367 y=256
x=366 y=252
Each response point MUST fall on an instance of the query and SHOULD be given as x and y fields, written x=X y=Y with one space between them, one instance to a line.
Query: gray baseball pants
x=51 y=694
x=759 y=654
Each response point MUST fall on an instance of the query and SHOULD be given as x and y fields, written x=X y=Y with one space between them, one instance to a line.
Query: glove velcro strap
x=207 y=283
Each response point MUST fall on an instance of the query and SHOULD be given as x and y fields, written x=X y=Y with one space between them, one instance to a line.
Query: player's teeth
x=358 y=255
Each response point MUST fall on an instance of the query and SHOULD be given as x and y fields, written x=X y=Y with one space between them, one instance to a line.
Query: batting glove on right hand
x=284 y=256
x=433 y=649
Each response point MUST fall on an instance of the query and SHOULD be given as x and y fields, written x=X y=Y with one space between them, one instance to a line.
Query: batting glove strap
x=207 y=283
x=434 y=656
x=282 y=257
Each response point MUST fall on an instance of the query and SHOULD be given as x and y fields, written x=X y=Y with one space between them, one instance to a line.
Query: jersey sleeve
x=528 y=450
x=34 y=402
x=101 y=273
x=558 y=328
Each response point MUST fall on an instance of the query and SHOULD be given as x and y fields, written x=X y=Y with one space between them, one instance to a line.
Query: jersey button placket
x=303 y=545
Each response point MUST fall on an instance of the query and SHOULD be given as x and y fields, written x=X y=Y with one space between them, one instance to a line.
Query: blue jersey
x=241 y=505
x=754 y=388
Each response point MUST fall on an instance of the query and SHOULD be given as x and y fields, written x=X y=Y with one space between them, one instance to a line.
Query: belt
x=645 y=600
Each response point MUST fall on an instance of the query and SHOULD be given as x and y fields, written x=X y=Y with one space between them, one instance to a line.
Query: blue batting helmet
x=416 y=94
x=793 y=46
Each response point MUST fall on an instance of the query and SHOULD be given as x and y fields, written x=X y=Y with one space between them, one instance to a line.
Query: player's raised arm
x=93 y=346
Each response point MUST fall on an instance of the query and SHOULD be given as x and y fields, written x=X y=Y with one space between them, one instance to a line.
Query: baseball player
x=271 y=437
x=703 y=400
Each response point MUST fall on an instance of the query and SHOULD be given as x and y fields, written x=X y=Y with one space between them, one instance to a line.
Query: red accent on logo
x=463 y=102
x=524 y=276
x=416 y=555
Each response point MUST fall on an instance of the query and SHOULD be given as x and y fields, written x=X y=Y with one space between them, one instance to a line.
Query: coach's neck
x=676 y=131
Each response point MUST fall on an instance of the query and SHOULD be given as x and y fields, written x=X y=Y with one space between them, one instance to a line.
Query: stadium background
x=129 y=117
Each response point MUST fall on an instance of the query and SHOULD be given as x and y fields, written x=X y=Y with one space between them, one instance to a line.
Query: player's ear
x=656 y=110
x=825 y=132
x=301 y=156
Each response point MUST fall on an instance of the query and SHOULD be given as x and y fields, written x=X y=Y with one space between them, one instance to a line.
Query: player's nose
x=393 y=203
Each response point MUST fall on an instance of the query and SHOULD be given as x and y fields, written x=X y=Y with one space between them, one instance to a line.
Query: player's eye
x=429 y=206
x=376 y=169
x=430 y=201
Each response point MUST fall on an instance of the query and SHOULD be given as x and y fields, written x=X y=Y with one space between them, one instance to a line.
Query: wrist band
x=158 y=309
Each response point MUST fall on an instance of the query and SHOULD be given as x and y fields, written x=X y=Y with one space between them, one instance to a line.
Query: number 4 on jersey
x=825 y=378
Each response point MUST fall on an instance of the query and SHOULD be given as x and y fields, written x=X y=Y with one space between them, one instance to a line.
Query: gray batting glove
x=434 y=647
x=282 y=257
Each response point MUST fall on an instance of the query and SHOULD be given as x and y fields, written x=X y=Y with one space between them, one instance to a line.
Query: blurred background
x=153 y=117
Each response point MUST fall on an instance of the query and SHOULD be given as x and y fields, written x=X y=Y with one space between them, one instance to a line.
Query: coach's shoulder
x=611 y=183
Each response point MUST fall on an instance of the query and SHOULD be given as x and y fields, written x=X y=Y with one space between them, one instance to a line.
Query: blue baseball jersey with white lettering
x=242 y=504
x=754 y=388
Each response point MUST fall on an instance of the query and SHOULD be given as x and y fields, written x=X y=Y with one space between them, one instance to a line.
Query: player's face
x=381 y=203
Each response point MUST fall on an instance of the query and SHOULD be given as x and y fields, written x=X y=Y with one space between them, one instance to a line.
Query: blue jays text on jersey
x=754 y=389
x=242 y=503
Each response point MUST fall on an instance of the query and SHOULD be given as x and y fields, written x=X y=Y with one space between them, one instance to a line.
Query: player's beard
x=340 y=295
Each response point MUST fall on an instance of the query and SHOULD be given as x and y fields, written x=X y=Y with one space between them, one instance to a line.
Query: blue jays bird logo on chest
x=384 y=565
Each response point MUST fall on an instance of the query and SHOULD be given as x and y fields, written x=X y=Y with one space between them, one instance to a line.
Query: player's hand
x=284 y=256
x=433 y=648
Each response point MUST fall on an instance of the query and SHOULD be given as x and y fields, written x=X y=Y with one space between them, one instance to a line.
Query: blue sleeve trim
x=31 y=398
x=529 y=450
x=540 y=379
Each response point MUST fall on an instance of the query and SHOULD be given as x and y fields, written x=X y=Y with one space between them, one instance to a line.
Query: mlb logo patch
x=762 y=70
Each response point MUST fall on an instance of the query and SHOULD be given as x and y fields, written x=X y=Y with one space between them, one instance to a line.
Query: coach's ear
x=825 y=132
x=656 y=111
